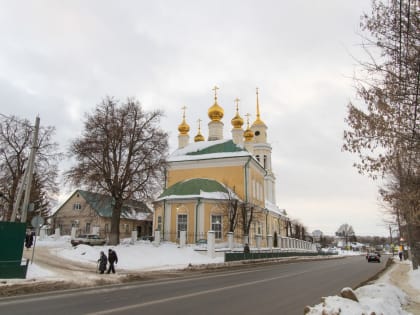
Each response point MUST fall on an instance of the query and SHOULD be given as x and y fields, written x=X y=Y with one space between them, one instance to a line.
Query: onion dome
x=248 y=133
x=215 y=112
x=199 y=137
x=258 y=121
x=183 y=128
x=237 y=121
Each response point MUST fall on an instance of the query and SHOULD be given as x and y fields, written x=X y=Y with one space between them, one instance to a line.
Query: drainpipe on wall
x=196 y=215
x=163 y=219
x=246 y=178
x=164 y=205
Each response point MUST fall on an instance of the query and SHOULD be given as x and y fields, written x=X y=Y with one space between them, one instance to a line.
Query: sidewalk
x=398 y=275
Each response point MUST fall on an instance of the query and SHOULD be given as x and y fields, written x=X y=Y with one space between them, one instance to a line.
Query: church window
x=257 y=133
x=265 y=161
x=257 y=157
x=259 y=230
x=77 y=206
x=182 y=224
x=216 y=225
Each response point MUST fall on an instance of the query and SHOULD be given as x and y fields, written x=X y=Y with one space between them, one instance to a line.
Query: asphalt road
x=256 y=289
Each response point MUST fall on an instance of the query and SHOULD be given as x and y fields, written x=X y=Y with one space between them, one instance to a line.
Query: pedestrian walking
x=246 y=249
x=113 y=259
x=29 y=239
x=400 y=254
x=102 y=261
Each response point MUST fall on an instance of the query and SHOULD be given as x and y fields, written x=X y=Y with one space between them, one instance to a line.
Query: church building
x=224 y=185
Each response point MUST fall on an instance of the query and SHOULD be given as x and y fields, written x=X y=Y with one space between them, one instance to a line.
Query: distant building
x=91 y=213
x=317 y=235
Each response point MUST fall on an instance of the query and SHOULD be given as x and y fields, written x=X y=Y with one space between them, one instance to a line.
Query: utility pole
x=27 y=178
x=390 y=234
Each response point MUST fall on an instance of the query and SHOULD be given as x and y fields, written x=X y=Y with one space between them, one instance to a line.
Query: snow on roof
x=217 y=195
x=224 y=148
x=274 y=208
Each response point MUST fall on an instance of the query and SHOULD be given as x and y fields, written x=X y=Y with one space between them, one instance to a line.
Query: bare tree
x=246 y=214
x=122 y=153
x=231 y=209
x=15 y=146
x=346 y=231
x=385 y=132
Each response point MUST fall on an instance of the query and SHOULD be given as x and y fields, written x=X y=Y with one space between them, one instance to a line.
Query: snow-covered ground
x=382 y=297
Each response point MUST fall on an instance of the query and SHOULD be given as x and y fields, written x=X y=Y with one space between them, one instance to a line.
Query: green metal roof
x=194 y=187
x=104 y=204
x=224 y=147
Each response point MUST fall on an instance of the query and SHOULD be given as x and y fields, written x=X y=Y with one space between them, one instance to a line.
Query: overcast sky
x=58 y=59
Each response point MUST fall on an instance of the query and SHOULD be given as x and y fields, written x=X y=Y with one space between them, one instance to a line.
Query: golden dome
x=237 y=121
x=215 y=112
x=248 y=133
x=183 y=128
x=199 y=137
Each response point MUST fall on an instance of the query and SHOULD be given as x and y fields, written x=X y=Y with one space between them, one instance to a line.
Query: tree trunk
x=114 y=235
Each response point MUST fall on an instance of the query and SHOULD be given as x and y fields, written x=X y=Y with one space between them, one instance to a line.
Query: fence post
x=156 y=241
x=182 y=238
x=57 y=233
x=133 y=236
x=230 y=240
x=270 y=241
x=258 y=238
x=210 y=243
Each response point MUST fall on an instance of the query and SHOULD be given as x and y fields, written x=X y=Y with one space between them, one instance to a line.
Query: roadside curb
x=262 y=261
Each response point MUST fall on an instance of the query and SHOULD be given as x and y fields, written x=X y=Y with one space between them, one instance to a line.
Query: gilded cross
x=183 y=109
x=247 y=118
x=215 y=91
x=237 y=103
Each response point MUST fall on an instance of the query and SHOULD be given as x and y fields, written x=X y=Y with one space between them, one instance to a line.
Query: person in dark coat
x=113 y=259
x=102 y=262
x=29 y=239
x=246 y=249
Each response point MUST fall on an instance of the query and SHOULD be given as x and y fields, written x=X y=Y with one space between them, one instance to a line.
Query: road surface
x=256 y=289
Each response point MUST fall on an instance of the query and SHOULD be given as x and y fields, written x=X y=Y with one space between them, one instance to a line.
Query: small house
x=91 y=213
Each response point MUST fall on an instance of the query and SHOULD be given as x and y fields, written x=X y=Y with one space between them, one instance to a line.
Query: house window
x=126 y=228
x=182 y=223
x=87 y=229
x=77 y=206
x=106 y=228
x=259 y=228
x=159 y=223
x=216 y=226
x=75 y=223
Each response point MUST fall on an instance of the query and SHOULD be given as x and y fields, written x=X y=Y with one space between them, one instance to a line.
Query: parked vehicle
x=374 y=257
x=88 y=239
x=150 y=238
